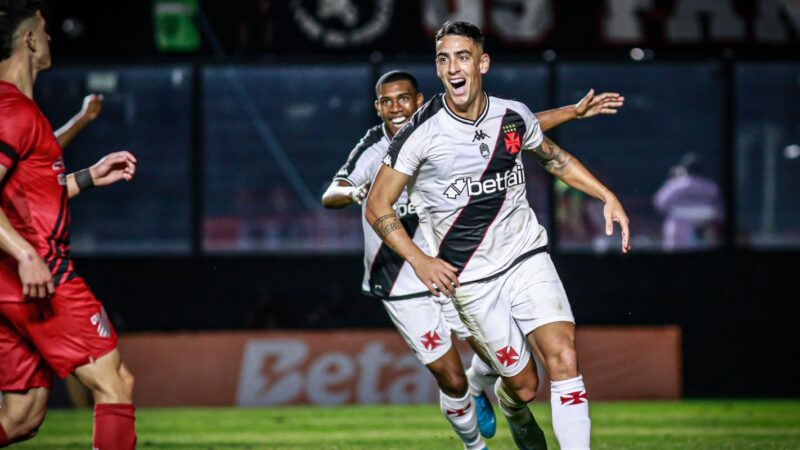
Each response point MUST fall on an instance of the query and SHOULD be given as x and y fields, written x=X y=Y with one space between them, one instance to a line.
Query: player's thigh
x=536 y=294
x=452 y=317
x=77 y=332
x=487 y=316
x=22 y=366
x=422 y=325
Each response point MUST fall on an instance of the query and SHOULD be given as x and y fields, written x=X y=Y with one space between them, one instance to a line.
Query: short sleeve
x=360 y=170
x=405 y=151
x=364 y=159
x=17 y=128
x=8 y=155
x=533 y=130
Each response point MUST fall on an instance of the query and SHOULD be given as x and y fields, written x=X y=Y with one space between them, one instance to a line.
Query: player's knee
x=526 y=393
x=113 y=389
x=25 y=426
x=563 y=364
x=128 y=382
x=453 y=383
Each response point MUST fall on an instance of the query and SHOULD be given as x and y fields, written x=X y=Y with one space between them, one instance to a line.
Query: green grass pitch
x=717 y=425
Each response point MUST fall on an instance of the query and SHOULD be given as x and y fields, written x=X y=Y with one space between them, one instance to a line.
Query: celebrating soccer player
x=49 y=319
x=426 y=321
x=491 y=253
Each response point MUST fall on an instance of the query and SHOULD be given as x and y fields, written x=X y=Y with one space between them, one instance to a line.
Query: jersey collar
x=385 y=130
x=466 y=121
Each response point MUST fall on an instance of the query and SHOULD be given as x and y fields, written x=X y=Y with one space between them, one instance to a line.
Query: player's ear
x=30 y=40
x=377 y=108
x=420 y=99
x=485 y=62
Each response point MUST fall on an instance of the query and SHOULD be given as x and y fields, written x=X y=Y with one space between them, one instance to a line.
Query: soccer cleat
x=487 y=423
x=529 y=436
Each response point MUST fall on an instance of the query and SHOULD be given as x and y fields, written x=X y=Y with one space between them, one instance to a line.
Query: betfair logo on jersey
x=500 y=182
x=404 y=210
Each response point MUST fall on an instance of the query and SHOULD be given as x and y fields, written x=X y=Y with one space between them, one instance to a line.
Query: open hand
x=439 y=276
x=592 y=105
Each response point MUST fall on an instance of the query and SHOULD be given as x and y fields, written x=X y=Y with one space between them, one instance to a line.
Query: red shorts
x=58 y=334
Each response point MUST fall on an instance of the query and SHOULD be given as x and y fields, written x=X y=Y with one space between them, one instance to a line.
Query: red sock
x=3 y=438
x=114 y=426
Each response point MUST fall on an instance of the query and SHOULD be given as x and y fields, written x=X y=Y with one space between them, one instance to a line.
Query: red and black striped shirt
x=33 y=194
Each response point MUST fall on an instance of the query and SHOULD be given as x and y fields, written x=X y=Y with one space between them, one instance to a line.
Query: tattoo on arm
x=386 y=224
x=552 y=157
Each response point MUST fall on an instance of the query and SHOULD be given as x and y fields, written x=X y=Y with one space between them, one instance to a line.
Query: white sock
x=570 y=407
x=480 y=376
x=460 y=412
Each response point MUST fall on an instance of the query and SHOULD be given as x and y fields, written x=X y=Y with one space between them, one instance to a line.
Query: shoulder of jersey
x=13 y=98
x=425 y=112
x=374 y=135
x=516 y=105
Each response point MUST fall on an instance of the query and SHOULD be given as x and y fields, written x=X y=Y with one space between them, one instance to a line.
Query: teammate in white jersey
x=491 y=251
x=424 y=321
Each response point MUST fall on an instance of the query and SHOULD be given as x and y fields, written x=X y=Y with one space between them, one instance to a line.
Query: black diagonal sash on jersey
x=373 y=136
x=387 y=264
x=9 y=152
x=424 y=113
x=468 y=230
x=56 y=260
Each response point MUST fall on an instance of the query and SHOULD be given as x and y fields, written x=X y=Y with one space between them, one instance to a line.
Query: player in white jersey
x=426 y=322
x=491 y=251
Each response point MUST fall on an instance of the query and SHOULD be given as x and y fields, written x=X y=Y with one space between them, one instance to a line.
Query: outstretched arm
x=589 y=106
x=340 y=193
x=37 y=281
x=92 y=105
x=110 y=169
x=566 y=167
x=435 y=273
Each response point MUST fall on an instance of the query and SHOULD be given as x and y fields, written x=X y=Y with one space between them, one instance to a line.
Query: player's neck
x=470 y=111
x=20 y=73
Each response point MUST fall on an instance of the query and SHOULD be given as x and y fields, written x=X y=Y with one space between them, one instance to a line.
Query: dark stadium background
x=147 y=247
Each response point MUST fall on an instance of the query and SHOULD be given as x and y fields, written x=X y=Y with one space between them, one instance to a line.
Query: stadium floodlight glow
x=791 y=151
x=637 y=54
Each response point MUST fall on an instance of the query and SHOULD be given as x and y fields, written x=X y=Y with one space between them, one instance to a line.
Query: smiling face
x=460 y=64
x=397 y=102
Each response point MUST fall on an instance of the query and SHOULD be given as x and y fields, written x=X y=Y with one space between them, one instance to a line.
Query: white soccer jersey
x=468 y=185
x=386 y=275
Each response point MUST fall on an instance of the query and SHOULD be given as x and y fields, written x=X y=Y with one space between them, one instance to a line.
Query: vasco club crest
x=513 y=141
x=343 y=23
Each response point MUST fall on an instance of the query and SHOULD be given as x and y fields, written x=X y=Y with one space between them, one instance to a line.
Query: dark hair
x=465 y=29
x=12 y=14
x=392 y=76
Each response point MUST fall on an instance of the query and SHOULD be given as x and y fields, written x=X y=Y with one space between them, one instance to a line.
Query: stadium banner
x=304 y=26
x=366 y=367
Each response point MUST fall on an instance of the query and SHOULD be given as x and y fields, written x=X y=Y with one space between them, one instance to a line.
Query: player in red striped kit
x=49 y=319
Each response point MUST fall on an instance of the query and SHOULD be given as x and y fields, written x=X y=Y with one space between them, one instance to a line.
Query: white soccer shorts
x=501 y=312
x=426 y=324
